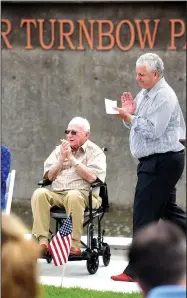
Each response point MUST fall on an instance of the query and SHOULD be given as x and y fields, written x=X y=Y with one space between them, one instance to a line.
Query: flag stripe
x=58 y=250
x=67 y=244
x=60 y=243
x=54 y=256
x=55 y=251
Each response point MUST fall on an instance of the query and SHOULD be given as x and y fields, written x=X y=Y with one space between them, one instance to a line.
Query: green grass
x=54 y=292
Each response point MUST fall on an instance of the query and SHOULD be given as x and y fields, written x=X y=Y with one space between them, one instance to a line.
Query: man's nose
x=137 y=77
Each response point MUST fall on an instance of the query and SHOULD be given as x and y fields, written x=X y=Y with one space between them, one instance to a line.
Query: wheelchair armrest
x=97 y=183
x=103 y=194
x=44 y=182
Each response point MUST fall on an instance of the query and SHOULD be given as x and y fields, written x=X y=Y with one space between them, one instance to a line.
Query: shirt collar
x=153 y=90
x=84 y=146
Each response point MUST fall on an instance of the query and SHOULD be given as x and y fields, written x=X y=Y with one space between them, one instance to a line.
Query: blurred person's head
x=18 y=260
x=158 y=256
x=149 y=70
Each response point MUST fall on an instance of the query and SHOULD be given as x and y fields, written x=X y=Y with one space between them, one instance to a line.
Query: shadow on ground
x=118 y=222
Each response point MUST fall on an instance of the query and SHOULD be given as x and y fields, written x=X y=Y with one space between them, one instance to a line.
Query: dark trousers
x=155 y=194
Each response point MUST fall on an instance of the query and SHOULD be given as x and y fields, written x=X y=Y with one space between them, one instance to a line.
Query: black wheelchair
x=95 y=246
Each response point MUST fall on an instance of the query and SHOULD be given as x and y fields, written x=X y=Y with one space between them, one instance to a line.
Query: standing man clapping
x=155 y=121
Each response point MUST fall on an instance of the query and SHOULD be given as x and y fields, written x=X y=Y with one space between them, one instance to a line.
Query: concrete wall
x=42 y=90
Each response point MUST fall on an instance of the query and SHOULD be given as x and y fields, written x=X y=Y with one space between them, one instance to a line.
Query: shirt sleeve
x=182 y=128
x=51 y=160
x=156 y=122
x=97 y=163
x=127 y=125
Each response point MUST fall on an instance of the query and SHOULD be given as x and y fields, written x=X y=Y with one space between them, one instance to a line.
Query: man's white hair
x=81 y=122
x=153 y=63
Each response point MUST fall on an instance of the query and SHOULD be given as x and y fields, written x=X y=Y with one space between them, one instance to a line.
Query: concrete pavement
x=75 y=274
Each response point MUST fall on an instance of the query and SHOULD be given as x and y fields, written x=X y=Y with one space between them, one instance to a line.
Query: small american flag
x=60 y=244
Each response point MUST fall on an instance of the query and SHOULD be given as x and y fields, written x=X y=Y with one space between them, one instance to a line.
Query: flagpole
x=62 y=276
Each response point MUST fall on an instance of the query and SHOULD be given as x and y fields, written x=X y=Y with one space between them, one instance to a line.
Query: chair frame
x=10 y=189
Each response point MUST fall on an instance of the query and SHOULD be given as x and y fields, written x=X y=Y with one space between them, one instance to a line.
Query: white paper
x=109 y=105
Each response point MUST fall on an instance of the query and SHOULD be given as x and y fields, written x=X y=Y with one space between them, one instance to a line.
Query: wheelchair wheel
x=92 y=263
x=106 y=254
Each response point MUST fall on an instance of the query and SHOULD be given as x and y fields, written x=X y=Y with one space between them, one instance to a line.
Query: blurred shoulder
x=5 y=150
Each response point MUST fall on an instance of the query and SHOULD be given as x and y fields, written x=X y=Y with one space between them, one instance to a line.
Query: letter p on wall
x=177 y=31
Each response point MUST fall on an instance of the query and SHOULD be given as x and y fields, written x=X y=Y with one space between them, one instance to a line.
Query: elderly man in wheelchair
x=72 y=168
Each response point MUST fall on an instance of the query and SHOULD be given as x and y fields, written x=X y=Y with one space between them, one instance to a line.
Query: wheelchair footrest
x=85 y=256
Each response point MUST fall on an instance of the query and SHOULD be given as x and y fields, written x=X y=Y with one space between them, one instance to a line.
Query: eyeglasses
x=73 y=132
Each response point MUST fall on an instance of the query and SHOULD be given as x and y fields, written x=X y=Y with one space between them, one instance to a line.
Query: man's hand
x=65 y=150
x=128 y=102
x=123 y=114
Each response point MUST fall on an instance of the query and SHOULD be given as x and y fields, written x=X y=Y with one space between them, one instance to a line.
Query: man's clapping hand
x=128 y=102
x=65 y=150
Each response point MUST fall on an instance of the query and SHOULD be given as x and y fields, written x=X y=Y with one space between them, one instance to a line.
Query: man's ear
x=87 y=134
x=156 y=75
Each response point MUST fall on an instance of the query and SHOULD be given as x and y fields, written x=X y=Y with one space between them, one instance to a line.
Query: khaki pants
x=74 y=201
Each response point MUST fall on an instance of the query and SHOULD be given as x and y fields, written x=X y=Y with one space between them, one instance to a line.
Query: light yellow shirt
x=68 y=179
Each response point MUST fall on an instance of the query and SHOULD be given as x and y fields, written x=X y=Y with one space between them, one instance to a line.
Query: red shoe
x=122 y=277
x=75 y=252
